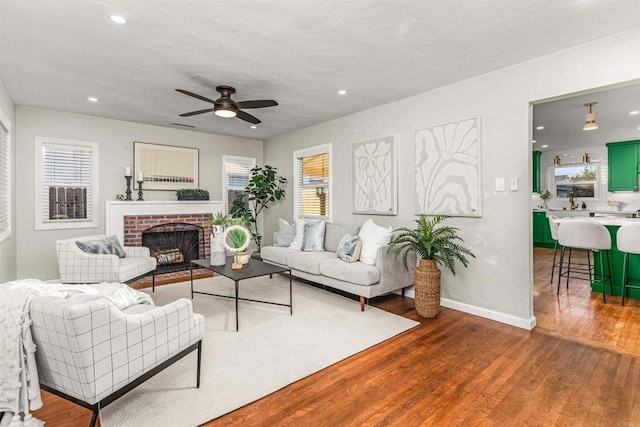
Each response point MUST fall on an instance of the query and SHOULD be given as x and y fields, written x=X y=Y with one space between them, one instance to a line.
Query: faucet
x=572 y=202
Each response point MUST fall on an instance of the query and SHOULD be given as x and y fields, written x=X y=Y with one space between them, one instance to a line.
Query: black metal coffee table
x=254 y=268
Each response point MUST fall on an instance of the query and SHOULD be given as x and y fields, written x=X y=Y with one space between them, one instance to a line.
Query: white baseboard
x=509 y=319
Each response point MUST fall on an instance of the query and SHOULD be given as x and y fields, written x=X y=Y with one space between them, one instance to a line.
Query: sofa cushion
x=309 y=262
x=333 y=233
x=313 y=240
x=296 y=244
x=373 y=237
x=286 y=233
x=275 y=254
x=349 y=248
x=357 y=272
x=106 y=246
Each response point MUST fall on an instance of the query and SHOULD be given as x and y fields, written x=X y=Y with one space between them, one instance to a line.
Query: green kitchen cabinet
x=623 y=165
x=536 y=171
x=542 y=231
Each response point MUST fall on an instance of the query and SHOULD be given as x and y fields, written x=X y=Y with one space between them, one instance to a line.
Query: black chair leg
x=553 y=266
x=569 y=268
x=94 y=416
x=610 y=276
x=199 y=363
x=625 y=275
x=560 y=270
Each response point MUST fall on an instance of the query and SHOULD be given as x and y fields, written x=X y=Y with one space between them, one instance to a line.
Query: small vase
x=241 y=257
x=218 y=254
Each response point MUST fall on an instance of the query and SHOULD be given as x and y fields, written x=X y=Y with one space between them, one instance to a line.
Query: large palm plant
x=441 y=244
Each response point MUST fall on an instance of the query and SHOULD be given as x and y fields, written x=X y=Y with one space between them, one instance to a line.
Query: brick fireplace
x=127 y=220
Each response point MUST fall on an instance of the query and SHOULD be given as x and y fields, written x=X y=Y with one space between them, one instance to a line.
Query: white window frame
x=225 y=190
x=42 y=223
x=306 y=152
x=5 y=175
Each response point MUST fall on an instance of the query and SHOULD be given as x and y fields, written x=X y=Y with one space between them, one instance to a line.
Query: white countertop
x=604 y=221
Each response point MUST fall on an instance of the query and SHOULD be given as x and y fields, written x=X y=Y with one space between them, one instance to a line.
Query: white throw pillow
x=297 y=241
x=373 y=237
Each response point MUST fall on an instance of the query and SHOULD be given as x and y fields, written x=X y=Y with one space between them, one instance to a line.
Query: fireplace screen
x=174 y=245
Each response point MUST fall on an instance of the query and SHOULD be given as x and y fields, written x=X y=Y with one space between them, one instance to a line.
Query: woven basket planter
x=427 y=288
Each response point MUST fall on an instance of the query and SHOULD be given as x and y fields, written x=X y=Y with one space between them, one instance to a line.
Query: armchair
x=91 y=353
x=77 y=266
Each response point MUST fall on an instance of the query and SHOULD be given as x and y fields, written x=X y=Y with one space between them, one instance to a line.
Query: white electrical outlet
x=513 y=184
x=499 y=184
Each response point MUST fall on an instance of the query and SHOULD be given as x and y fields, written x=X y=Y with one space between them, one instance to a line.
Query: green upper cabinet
x=536 y=171
x=623 y=165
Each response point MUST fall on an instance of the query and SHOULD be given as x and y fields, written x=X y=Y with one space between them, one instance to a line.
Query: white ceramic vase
x=218 y=253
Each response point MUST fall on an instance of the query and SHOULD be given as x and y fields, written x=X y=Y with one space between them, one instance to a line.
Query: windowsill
x=65 y=225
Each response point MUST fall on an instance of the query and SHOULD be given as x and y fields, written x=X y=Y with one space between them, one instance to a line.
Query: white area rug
x=271 y=350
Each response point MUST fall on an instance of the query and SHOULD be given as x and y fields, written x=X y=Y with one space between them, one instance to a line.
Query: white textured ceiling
x=56 y=53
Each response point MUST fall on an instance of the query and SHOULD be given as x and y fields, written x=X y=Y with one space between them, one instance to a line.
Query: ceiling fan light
x=227 y=114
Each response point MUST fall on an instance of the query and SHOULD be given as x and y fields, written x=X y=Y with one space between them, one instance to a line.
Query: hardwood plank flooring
x=579 y=367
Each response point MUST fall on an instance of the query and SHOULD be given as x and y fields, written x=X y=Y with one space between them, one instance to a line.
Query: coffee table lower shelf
x=255 y=268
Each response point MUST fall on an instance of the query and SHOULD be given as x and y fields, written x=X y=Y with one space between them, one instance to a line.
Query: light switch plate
x=499 y=184
x=513 y=184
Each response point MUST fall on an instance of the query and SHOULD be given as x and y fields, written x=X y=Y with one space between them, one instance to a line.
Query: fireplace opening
x=174 y=245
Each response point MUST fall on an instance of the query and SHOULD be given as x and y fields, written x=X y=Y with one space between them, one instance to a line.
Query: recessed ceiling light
x=533 y=141
x=634 y=112
x=545 y=146
x=342 y=92
x=540 y=127
x=118 y=19
x=93 y=99
x=253 y=126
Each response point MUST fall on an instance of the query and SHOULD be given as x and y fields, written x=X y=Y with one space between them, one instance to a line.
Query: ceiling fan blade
x=195 y=95
x=193 y=113
x=247 y=117
x=258 y=103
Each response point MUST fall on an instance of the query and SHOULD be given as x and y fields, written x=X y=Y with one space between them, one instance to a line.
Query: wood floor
x=579 y=367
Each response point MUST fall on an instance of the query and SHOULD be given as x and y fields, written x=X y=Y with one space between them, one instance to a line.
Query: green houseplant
x=265 y=187
x=436 y=245
x=192 y=194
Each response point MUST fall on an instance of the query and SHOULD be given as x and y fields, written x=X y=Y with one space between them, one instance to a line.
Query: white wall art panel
x=447 y=169
x=374 y=173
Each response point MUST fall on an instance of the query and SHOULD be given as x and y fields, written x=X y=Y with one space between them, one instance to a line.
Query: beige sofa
x=367 y=281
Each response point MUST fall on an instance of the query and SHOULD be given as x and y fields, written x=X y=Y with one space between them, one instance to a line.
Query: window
x=66 y=184
x=579 y=179
x=312 y=182
x=5 y=180
x=236 y=173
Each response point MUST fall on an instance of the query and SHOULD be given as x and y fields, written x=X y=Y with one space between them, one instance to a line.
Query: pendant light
x=590 y=117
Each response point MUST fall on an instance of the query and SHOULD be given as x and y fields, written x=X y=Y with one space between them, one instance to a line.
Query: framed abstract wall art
x=374 y=176
x=165 y=167
x=447 y=169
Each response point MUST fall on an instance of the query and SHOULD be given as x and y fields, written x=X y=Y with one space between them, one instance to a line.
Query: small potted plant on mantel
x=435 y=245
x=192 y=194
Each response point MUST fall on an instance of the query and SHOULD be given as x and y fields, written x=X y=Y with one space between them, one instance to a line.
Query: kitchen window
x=66 y=184
x=580 y=179
x=312 y=182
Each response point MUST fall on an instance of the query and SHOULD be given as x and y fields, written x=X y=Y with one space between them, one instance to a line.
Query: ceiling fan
x=227 y=107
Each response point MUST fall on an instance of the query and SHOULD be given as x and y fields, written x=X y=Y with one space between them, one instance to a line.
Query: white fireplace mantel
x=116 y=211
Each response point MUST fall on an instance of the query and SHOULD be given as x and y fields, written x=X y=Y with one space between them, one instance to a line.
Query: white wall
x=498 y=284
x=36 y=249
x=8 y=247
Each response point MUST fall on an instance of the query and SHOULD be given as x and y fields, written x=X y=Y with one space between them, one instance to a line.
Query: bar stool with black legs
x=628 y=242
x=553 y=226
x=590 y=236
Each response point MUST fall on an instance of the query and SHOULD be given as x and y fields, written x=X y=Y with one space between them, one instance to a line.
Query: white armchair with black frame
x=101 y=258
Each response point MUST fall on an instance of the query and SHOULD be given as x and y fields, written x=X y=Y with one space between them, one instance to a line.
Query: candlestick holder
x=128 y=192
x=140 y=191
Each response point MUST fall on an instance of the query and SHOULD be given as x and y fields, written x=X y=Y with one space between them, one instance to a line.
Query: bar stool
x=590 y=236
x=628 y=241
x=553 y=226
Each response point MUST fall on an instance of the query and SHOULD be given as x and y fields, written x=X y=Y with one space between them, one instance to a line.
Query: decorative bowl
x=614 y=202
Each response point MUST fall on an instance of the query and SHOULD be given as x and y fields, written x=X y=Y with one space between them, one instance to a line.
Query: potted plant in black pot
x=435 y=245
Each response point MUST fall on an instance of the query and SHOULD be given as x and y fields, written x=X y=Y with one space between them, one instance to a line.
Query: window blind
x=312 y=186
x=67 y=190
x=237 y=171
x=5 y=183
